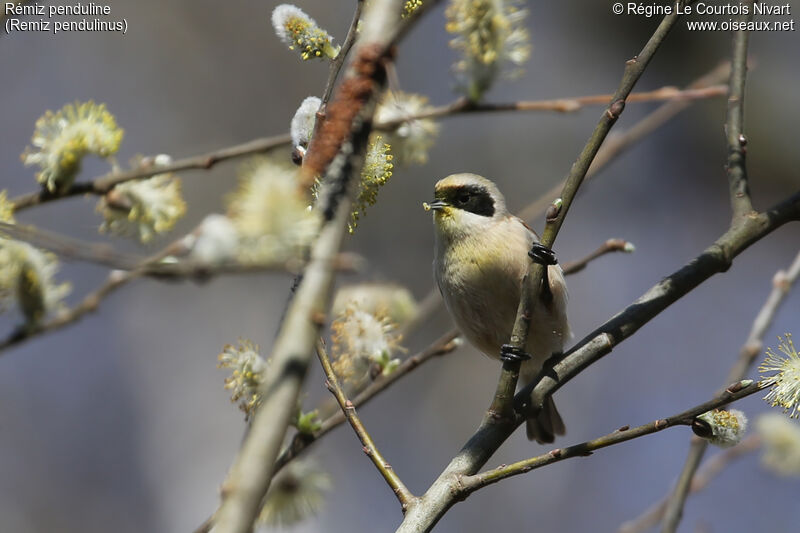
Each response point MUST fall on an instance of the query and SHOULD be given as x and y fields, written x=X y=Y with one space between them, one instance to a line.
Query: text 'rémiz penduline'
x=40 y=10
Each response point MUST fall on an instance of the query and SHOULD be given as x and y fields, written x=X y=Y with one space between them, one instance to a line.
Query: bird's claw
x=542 y=254
x=511 y=354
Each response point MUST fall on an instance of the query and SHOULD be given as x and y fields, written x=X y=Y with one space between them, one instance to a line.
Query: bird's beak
x=436 y=205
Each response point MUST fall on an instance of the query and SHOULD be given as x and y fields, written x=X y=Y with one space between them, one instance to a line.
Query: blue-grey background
x=120 y=422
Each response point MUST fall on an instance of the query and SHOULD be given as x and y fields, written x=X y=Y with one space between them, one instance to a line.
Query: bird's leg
x=511 y=353
x=547 y=366
x=544 y=256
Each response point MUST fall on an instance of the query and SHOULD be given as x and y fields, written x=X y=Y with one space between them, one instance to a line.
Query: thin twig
x=617 y=143
x=559 y=105
x=181 y=268
x=71 y=248
x=709 y=470
x=338 y=61
x=610 y=246
x=130 y=267
x=90 y=302
x=741 y=206
x=737 y=391
x=103 y=184
x=300 y=442
x=531 y=285
x=404 y=496
x=781 y=284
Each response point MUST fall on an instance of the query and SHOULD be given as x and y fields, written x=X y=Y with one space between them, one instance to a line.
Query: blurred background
x=120 y=422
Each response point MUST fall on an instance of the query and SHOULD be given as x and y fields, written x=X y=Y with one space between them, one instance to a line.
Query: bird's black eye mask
x=473 y=198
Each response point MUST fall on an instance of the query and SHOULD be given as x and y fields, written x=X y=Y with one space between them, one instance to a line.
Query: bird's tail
x=546 y=424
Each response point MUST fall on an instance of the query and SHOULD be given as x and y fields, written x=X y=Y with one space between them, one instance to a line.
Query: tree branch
x=781 y=284
x=252 y=471
x=300 y=442
x=610 y=246
x=337 y=152
x=715 y=259
x=103 y=184
x=531 y=285
x=90 y=303
x=741 y=204
x=616 y=144
x=737 y=391
x=338 y=61
x=559 y=105
x=404 y=496
x=130 y=267
x=181 y=268
x=709 y=470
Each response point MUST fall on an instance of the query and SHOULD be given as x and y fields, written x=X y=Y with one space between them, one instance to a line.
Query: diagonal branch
x=404 y=495
x=300 y=442
x=250 y=475
x=715 y=259
x=737 y=391
x=337 y=153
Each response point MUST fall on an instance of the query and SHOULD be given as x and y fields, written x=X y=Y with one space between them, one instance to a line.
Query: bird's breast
x=480 y=281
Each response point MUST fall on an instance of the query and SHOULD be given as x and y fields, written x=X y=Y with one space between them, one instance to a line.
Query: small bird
x=480 y=259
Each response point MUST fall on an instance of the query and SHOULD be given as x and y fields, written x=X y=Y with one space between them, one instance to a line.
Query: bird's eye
x=463 y=198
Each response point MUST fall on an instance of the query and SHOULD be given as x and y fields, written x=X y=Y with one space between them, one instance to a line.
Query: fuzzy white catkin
x=781 y=438
x=305 y=117
x=727 y=427
x=217 y=240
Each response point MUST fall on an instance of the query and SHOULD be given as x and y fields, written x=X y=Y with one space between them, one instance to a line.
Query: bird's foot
x=511 y=354
x=542 y=254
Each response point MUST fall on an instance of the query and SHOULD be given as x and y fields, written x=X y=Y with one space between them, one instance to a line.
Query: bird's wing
x=533 y=232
